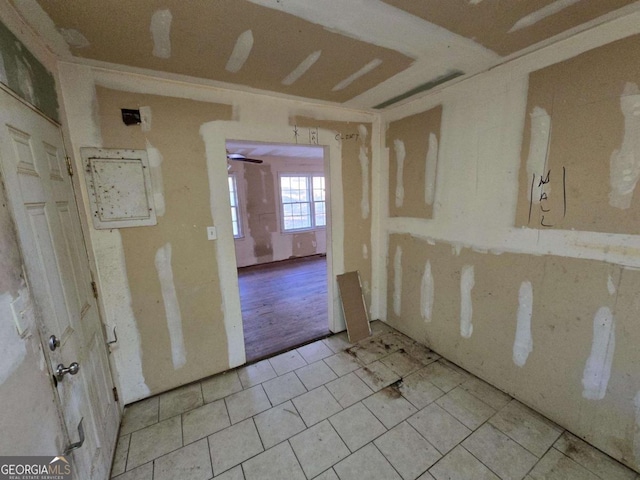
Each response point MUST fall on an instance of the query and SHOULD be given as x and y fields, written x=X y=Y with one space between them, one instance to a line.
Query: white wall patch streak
x=145 y=119
x=467 y=283
x=240 y=52
x=171 y=306
x=541 y=14
x=397 y=282
x=14 y=348
x=598 y=367
x=426 y=293
x=365 y=251
x=538 y=151
x=74 y=38
x=398 y=146
x=353 y=77
x=610 y=285
x=430 y=170
x=301 y=69
x=523 y=344
x=161 y=33
x=636 y=436
x=364 y=171
x=625 y=162
x=155 y=171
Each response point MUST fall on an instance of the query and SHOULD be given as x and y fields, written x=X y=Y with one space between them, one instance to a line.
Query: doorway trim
x=215 y=135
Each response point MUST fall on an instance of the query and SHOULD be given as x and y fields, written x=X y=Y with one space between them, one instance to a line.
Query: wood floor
x=284 y=305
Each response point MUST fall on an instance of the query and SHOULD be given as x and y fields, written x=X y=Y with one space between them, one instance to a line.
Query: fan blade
x=241 y=158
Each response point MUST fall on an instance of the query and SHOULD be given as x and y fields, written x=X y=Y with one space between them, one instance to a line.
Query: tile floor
x=386 y=408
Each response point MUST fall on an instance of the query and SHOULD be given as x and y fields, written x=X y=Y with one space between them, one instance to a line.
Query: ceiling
x=359 y=53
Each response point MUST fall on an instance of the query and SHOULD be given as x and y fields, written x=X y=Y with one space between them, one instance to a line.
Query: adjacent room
x=279 y=216
x=184 y=186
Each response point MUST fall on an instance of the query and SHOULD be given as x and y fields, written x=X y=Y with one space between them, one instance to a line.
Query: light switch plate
x=211 y=233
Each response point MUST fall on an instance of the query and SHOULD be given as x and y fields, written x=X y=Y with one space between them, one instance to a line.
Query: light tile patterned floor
x=386 y=408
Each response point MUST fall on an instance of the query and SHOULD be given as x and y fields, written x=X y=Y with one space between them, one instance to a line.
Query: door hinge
x=69 y=166
x=115 y=394
x=94 y=287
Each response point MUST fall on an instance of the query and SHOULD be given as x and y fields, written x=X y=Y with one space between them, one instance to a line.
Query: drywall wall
x=546 y=314
x=26 y=389
x=566 y=360
x=413 y=152
x=263 y=238
x=146 y=273
x=580 y=155
x=171 y=267
x=355 y=140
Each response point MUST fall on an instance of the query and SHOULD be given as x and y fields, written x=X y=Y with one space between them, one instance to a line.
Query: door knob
x=61 y=371
x=54 y=342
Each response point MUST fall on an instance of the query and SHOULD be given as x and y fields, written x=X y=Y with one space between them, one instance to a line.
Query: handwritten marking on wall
x=542 y=185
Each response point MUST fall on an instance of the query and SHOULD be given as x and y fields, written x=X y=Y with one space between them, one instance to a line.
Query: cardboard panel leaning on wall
x=171 y=267
x=534 y=329
x=580 y=136
x=413 y=152
x=355 y=140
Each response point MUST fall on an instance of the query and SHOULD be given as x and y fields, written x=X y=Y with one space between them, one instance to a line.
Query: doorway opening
x=280 y=216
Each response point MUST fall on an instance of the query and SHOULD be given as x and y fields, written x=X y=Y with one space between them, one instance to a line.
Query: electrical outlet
x=211 y=233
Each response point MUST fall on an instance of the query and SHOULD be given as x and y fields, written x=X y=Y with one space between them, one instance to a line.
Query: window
x=235 y=212
x=303 y=201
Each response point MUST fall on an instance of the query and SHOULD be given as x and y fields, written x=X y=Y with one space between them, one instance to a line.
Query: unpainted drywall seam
x=430 y=170
x=467 y=283
x=171 y=306
x=636 y=436
x=426 y=293
x=398 y=146
x=625 y=163
x=523 y=344
x=397 y=281
x=364 y=171
x=597 y=369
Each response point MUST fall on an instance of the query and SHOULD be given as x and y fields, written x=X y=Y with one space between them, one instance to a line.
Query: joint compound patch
x=157 y=183
x=541 y=14
x=426 y=293
x=430 y=171
x=523 y=344
x=301 y=69
x=538 y=152
x=171 y=306
x=241 y=51
x=364 y=171
x=597 y=370
x=397 y=281
x=467 y=283
x=610 y=285
x=161 y=33
x=636 y=436
x=625 y=163
x=398 y=146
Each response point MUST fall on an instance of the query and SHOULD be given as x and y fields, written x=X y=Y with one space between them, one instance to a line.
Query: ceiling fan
x=238 y=157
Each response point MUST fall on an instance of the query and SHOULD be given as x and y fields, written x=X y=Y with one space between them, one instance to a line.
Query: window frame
x=232 y=178
x=312 y=208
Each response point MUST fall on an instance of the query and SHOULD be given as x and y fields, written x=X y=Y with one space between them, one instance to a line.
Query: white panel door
x=41 y=198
